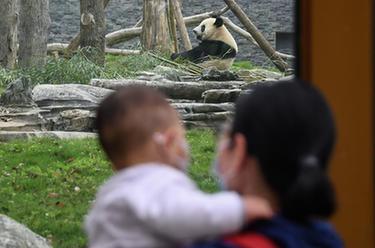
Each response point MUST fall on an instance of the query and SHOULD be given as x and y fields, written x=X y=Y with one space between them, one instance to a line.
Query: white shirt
x=155 y=205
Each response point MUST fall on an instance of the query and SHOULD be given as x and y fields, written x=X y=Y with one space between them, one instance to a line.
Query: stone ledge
x=9 y=136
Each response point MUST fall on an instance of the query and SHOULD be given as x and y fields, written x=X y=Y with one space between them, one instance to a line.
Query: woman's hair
x=289 y=128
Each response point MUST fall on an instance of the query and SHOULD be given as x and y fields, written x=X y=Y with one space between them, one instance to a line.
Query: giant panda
x=217 y=48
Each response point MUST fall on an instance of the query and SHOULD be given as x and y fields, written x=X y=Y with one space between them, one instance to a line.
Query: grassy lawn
x=48 y=184
x=79 y=70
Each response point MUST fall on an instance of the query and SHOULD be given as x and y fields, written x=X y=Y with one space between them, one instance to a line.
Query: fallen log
x=257 y=35
x=123 y=52
x=61 y=48
x=122 y=35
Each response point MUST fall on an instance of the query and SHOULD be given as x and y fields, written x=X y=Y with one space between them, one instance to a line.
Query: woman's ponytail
x=311 y=194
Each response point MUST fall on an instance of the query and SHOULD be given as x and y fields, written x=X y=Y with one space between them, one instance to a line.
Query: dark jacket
x=284 y=234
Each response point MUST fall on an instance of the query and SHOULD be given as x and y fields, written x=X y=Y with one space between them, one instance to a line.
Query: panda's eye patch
x=203 y=28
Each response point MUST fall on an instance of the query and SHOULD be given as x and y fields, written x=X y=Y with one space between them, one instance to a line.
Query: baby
x=150 y=201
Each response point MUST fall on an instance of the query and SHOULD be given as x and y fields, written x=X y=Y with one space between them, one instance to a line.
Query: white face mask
x=181 y=162
x=223 y=178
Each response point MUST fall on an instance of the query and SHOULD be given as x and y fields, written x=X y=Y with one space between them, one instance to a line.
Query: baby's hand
x=257 y=208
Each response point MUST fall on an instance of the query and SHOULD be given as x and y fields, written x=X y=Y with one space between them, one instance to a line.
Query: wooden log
x=123 y=52
x=74 y=43
x=285 y=56
x=234 y=28
x=34 y=23
x=122 y=35
x=196 y=19
x=139 y=23
x=181 y=24
x=61 y=47
x=172 y=27
x=257 y=35
x=8 y=31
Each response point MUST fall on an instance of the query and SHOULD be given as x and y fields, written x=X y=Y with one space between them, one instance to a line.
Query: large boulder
x=69 y=95
x=212 y=74
x=75 y=120
x=22 y=119
x=18 y=94
x=221 y=95
x=174 y=90
x=15 y=235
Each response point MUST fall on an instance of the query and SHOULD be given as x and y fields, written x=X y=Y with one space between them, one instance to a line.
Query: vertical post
x=181 y=24
x=155 y=30
x=172 y=24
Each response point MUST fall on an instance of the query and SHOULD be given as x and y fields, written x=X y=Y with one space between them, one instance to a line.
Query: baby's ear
x=219 y=22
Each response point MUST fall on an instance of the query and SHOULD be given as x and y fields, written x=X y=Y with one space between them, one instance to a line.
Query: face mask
x=181 y=162
x=223 y=178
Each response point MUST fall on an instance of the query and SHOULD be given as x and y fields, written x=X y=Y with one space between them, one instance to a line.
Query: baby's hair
x=289 y=128
x=128 y=118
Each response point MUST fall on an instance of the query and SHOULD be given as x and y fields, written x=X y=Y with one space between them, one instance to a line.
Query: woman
x=278 y=148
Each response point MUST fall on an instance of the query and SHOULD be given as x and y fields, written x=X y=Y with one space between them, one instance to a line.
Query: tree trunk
x=8 y=31
x=92 y=33
x=181 y=24
x=257 y=35
x=155 y=31
x=74 y=43
x=34 y=23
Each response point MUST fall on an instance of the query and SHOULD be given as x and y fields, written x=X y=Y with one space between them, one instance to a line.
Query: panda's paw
x=174 y=56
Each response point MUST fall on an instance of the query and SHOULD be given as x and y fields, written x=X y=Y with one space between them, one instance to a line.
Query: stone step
x=9 y=136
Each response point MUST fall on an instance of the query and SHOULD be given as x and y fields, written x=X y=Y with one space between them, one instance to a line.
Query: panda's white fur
x=215 y=33
x=217 y=48
x=212 y=32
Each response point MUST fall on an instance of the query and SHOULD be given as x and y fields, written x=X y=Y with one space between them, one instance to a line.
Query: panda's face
x=207 y=28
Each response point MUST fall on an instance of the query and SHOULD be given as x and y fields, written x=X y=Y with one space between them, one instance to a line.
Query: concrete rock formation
x=18 y=94
x=15 y=235
x=68 y=110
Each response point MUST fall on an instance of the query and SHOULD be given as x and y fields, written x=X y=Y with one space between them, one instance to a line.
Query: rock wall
x=270 y=16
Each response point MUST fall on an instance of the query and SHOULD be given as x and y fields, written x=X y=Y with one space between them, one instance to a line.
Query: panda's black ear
x=219 y=22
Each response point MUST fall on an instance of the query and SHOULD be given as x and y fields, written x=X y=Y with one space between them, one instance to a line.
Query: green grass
x=79 y=69
x=38 y=182
x=243 y=65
